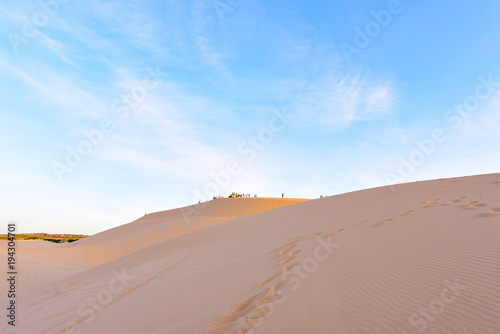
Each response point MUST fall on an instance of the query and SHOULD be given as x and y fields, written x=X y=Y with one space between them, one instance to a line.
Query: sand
x=413 y=258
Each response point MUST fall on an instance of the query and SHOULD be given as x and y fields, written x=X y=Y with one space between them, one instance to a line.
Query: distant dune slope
x=164 y=225
x=150 y=229
x=187 y=219
x=418 y=257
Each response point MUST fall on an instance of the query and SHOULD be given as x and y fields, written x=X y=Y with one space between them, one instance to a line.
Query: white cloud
x=485 y=121
x=389 y=133
x=339 y=100
x=53 y=88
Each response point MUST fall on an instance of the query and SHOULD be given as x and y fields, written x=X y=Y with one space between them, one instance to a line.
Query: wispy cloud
x=483 y=122
x=58 y=49
x=340 y=99
x=50 y=87
x=205 y=27
x=58 y=90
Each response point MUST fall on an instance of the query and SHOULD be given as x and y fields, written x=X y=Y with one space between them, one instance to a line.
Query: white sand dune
x=421 y=257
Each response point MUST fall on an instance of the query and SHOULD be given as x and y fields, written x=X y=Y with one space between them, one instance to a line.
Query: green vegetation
x=54 y=240
x=57 y=238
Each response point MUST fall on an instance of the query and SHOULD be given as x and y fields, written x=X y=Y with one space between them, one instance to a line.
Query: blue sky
x=170 y=92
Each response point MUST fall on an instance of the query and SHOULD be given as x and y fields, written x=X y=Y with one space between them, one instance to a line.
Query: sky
x=114 y=109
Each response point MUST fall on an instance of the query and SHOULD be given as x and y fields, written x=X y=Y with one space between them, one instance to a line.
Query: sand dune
x=151 y=229
x=421 y=257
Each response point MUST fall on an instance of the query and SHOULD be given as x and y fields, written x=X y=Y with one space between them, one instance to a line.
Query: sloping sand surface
x=150 y=229
x=418 y=257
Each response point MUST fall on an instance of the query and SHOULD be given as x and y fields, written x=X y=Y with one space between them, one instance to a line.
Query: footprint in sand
x=227 y=320
x=289 y=256
x=295 y=252
x=494 y=212
x=288 y=259
x=269 y=279
x=251 y=310
x=286 y=269
x=263 y=306
x=431 y=203
x=334 y=233
x=406 y=213
x=285 y=254
x=456 y=200
x=285 y=248
x=474 y=205
x=243 y=316
x=383 y=222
